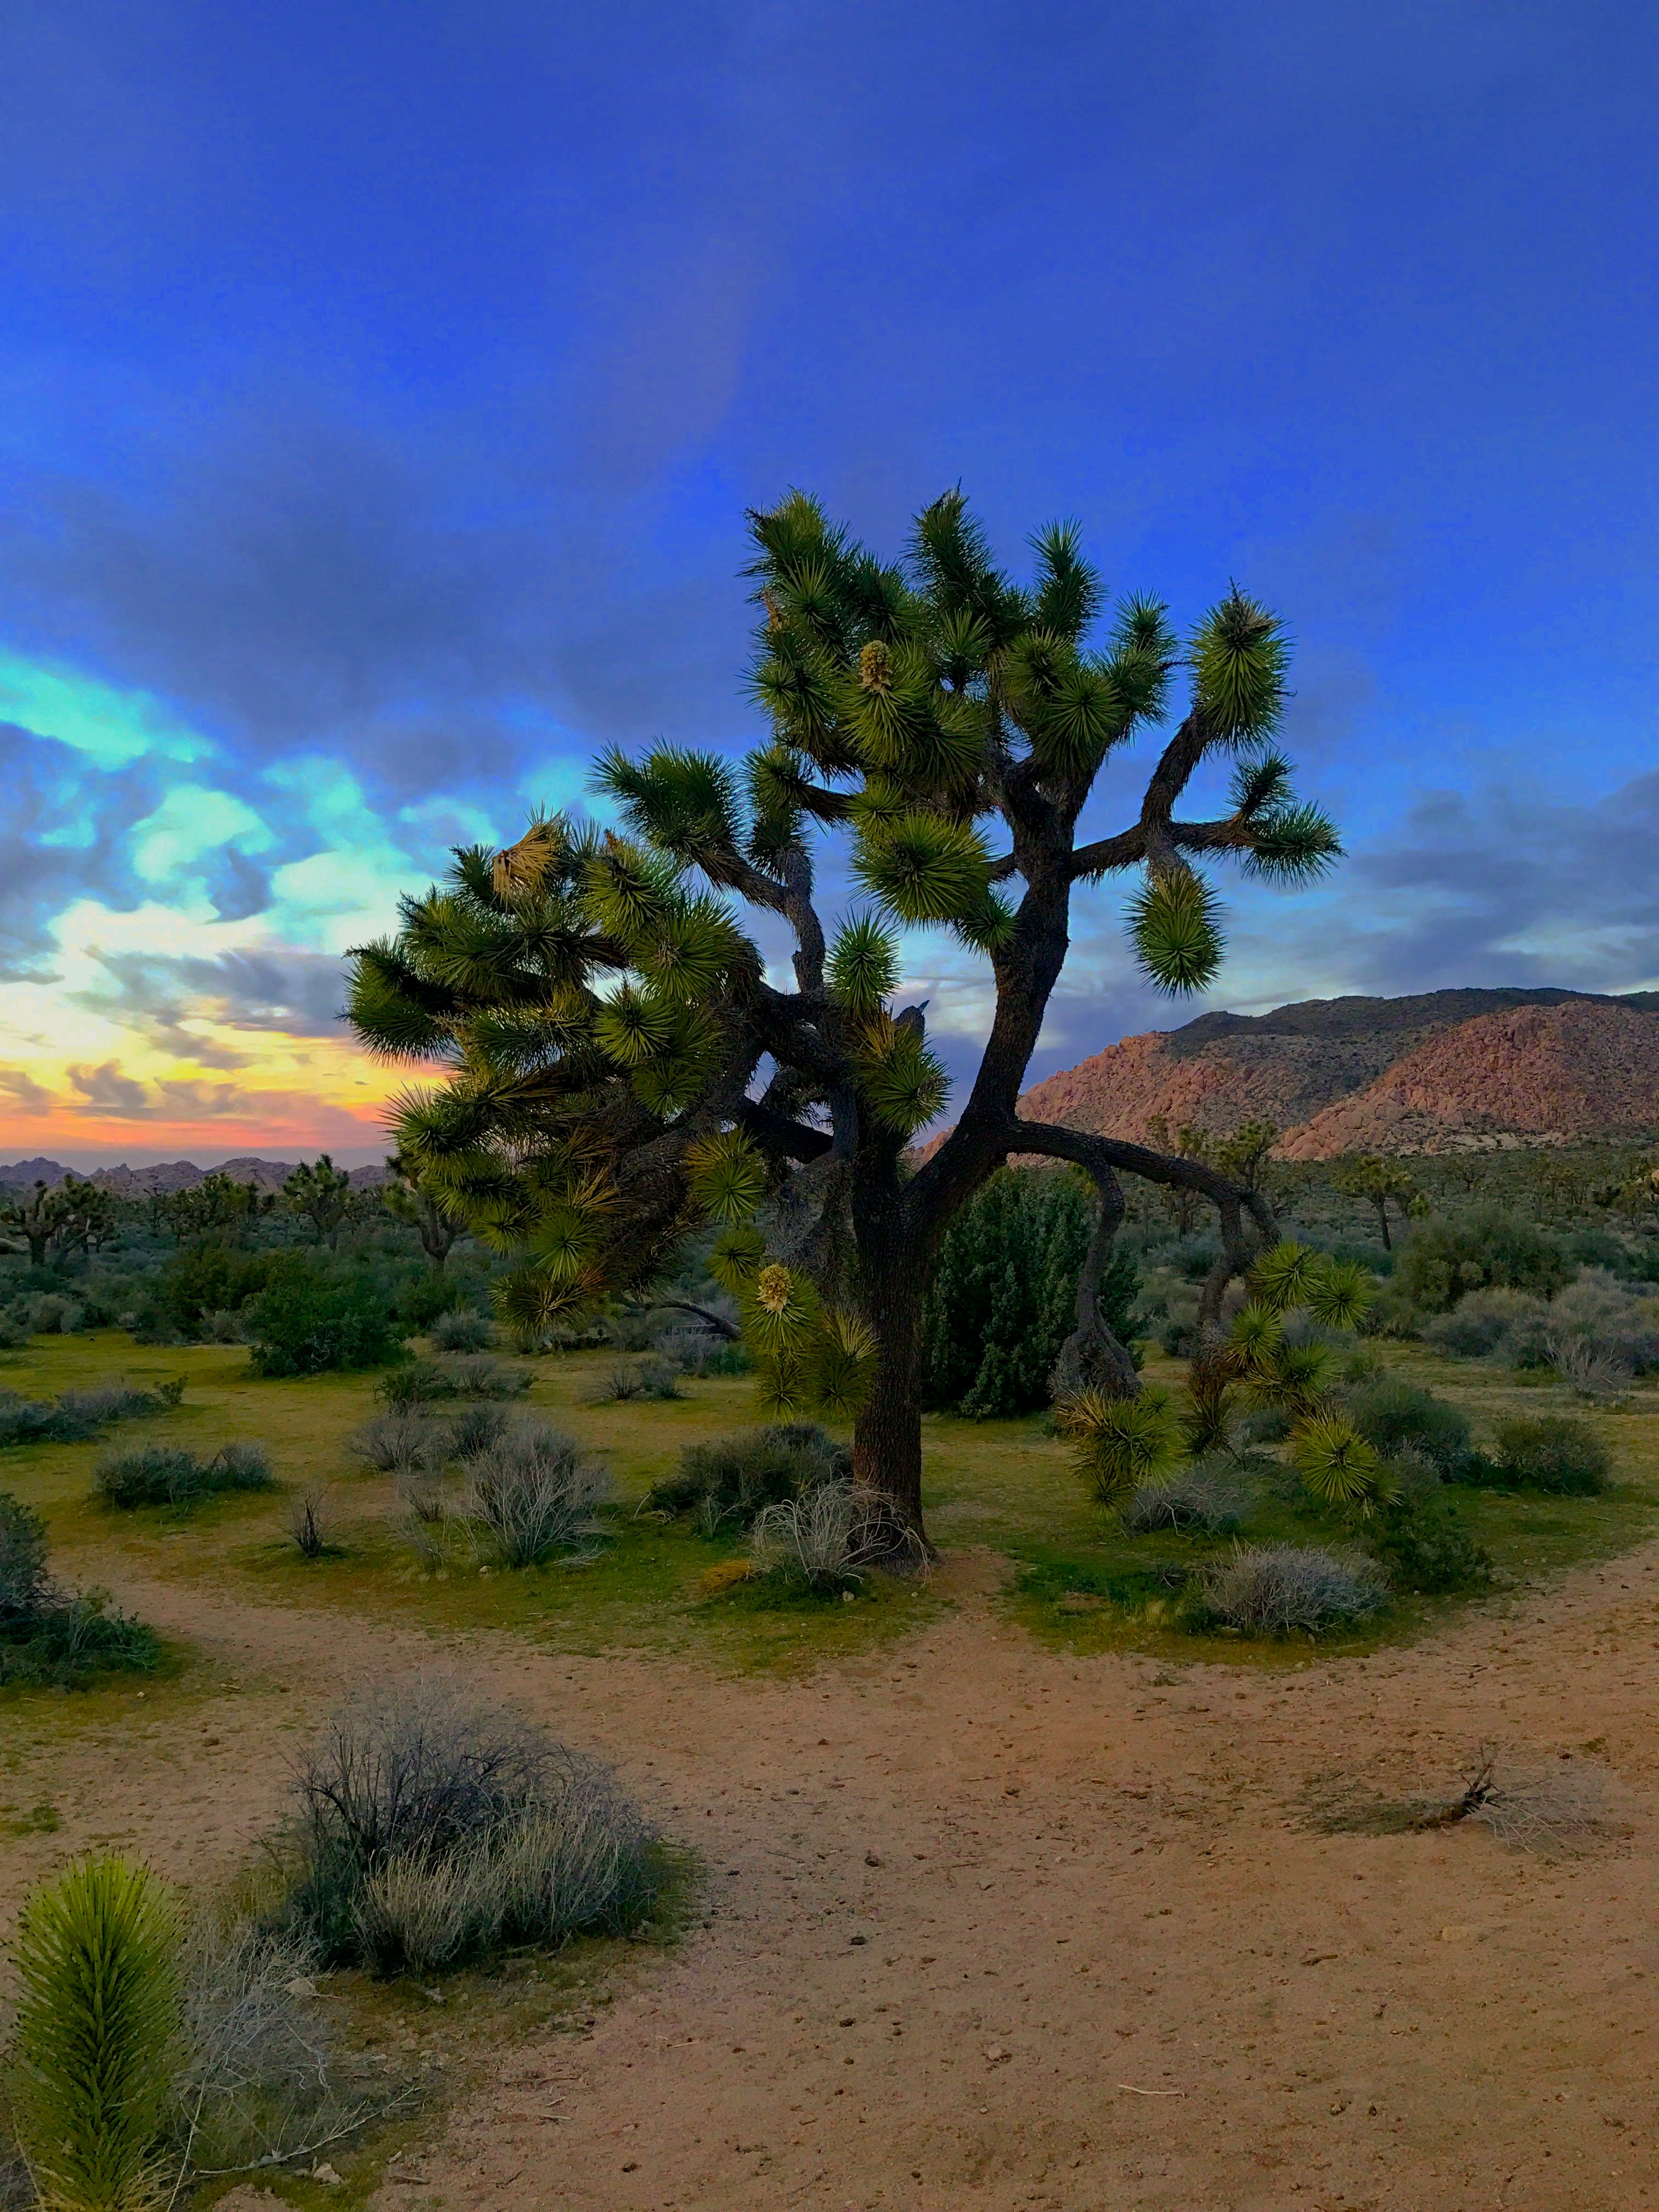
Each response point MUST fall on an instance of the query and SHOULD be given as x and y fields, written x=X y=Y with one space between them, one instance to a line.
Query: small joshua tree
x=621 y=1065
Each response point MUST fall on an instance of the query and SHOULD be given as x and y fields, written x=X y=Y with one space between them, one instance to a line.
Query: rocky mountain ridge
x=1439 y=1071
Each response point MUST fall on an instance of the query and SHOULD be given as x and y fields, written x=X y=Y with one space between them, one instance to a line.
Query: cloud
x=1510 y=886
x=298 y=994
x=105 y=1090
x=22 y=1088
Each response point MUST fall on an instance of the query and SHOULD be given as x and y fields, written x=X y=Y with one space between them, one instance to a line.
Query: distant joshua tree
x=620 y=1062
x=1380 y=1184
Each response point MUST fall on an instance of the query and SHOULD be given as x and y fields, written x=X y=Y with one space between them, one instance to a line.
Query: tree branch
x=1106 y=855
x=1101 y=1155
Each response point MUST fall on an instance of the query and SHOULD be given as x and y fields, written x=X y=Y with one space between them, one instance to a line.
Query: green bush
x=1003 y=1295
x=735 y=1478
x=311 y=1318
x=1552 y=1452
x=50 y=1634
x=1441 y=1260
x=97 y=1964
x=1429 y=1550
x=23 y=1578
x=72 y=1637
x=462 y=1329
x=1391 y=1414
x=167 y=1474
x=208 y=1279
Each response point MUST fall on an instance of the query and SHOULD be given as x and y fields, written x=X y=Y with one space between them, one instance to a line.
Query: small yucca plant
x=1119 y=1442
x=96 y=1955
x=1337 y=1465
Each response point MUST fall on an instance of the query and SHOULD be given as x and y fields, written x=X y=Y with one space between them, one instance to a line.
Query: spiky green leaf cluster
x=96 y=1961
x=1337 y=1464
x=1119 y=1444
x=1178 y=934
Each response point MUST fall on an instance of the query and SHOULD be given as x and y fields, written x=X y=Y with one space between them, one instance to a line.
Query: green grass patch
x=1007 y=1487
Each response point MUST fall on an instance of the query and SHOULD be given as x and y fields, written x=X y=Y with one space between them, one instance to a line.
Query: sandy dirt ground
x=988 y=1926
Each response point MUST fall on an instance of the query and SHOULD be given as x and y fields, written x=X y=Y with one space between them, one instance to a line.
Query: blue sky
x=382 y=388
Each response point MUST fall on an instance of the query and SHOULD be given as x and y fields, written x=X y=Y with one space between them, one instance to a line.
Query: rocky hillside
x=1443 y=1070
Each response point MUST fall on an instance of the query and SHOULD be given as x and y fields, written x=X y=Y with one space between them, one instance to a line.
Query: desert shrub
x=1002 y=1297
x=1489 y=1249
x=167 y=1474
x=400 y=1440
x=460 y=1375
x=1272 y=1590
x=310 y=1319
x=97 y=1966
x=652 y=1377
x=476 y=1428
x=223 y=1325
x=463 y=1329
x=1609 y=1320
x=421 y=1494
x=736 y=1477
x=252 y=2081
x=23 y=1578
x=55 y=1315
x=1588 y=1371
x=1391 y=1413
x=1428 y=1549
x=1551 y=1452
x=13 y=1335
x=1391 y=1313
x=309 y=1523
x=72 y=1637
x=1263 y=1424
x=699 y=1352
x=1208 y=1497
x=78 y=1415
x=205 y=1279
x=433 y=1827
x=1509 y=1326
x=49 y=1634
x=824 y=1540
x=534 y=1493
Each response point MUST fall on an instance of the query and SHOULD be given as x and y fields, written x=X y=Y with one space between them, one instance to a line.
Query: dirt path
x=992 y=1927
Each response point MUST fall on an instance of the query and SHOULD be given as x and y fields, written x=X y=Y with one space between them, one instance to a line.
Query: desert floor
x=982 y=1920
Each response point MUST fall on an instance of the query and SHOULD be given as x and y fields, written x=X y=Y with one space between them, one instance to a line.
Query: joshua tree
x=621 y=1064
x=1380 y=1183
x=408 y=1199
x=71 y=1216
x=321 y=1194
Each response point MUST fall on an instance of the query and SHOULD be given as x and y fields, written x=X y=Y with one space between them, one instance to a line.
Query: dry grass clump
x=1275 y=1589
x=652 y=1377
x=1210 y=1498
x=463 y=1374
x=168 y=1474
x=1546 y=1806
x=399 y=1441
x=533 y=1493
x=434 y=1826
x=310 y=1523
x=826 y=1539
